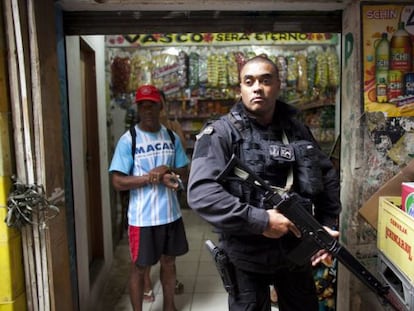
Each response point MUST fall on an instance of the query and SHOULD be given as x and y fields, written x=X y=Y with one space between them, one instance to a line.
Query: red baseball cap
x=148 y=92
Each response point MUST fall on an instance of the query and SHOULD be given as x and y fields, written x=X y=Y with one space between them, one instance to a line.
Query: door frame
x=91 y=278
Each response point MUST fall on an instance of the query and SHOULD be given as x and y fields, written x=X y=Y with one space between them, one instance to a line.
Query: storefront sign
x=388 y=51
x=217 y=39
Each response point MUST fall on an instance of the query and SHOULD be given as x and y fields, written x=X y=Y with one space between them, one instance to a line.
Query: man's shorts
x=147 y=244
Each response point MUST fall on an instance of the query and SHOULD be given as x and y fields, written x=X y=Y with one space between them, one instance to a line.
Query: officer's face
x=259 y=88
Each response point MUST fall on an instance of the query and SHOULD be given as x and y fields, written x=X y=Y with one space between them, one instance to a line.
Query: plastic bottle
x=382 y=91
x=400 y=50
x=382 y=53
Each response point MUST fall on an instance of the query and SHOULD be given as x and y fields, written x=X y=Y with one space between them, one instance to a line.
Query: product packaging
x=407 y=197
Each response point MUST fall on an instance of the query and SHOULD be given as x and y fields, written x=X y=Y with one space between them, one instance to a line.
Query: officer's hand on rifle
x=323 y=255
x=279 y=225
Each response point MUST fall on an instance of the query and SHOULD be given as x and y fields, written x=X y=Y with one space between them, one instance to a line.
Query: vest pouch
x=307 y=170
x=280 y=155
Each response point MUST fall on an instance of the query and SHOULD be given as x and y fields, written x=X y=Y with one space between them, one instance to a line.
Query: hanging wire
x=26 y=200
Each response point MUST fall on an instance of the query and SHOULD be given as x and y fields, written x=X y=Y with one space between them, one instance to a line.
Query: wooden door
x=93 y=185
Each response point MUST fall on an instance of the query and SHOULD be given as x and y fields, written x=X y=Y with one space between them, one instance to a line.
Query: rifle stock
x=314 y=236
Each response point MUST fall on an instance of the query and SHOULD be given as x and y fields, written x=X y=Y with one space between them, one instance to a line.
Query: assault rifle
x=313 y=236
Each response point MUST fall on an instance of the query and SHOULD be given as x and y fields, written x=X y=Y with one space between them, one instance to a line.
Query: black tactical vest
x=254 y=146
x=268 y=154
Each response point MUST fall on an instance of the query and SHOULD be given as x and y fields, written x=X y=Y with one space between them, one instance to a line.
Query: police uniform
x=238 y=213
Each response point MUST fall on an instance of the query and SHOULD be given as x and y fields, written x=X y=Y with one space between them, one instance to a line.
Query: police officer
x=264 y=134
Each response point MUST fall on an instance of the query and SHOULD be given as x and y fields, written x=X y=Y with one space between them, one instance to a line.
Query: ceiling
x=92 y=17
x=186 y=5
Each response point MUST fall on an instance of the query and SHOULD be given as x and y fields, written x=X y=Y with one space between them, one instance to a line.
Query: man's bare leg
x=148 y=293
x=168 y=277
x=136 y=286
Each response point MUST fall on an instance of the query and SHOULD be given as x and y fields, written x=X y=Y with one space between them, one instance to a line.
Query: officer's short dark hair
x=261 y=58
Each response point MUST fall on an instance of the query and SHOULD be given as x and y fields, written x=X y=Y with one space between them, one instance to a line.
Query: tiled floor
x=203 y=289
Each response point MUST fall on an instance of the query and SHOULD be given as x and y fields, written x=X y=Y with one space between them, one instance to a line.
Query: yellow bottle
x=400 y=50
x=382 y=91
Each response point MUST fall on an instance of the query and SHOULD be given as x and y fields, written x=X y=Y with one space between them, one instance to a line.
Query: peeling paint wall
x=373 y=150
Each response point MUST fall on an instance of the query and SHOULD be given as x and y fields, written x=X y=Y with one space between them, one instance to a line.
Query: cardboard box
x=369 y=211
x=407 y=197
x=395 y=237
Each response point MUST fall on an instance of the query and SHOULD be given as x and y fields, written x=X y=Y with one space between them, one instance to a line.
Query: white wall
x=88 y=293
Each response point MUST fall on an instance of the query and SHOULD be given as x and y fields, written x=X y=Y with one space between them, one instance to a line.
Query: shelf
x=314 y=105
x=195 y=98
x=193 y=117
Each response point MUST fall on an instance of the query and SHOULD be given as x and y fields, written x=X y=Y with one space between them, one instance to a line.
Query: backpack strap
x=172 y=136
x=133 y=133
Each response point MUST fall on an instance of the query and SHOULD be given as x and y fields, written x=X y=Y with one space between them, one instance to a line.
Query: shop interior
x=198 y=73
x=200 y=77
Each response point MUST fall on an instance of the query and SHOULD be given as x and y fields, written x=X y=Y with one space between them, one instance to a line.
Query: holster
x=224 y=267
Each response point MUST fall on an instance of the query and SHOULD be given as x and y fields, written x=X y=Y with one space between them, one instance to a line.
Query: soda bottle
x=395 y=84
x=381 y=89
x=409 y=84
x=400 y=50
x=382 y=53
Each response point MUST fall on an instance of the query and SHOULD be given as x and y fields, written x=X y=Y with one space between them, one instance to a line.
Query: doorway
x=112 y=117
x=92 y=188
x=87 y=115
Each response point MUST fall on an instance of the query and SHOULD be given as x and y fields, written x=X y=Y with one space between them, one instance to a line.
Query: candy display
x=292 y=71
x=283 y=72
x=213 y=70
x=203 y=82
x=311 y=72
x=322 y=71
x=120 y=72
x=182 y=69
x=307 y=75
x=302 y=81
x=333 y=67
x=141 y=67
x=204 y=68
x=232 y=69
x=193 y=69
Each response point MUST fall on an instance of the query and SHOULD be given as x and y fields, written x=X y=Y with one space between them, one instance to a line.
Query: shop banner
x=217 y=39
x=388 y=54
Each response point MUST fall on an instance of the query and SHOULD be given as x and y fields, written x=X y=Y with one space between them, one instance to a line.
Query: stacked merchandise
x=202 y=82
x=307 y=75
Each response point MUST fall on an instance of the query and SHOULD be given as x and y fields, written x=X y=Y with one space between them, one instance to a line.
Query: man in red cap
x=155 y=226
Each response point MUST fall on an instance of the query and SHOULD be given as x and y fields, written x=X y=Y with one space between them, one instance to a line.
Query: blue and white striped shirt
x=150 y=205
